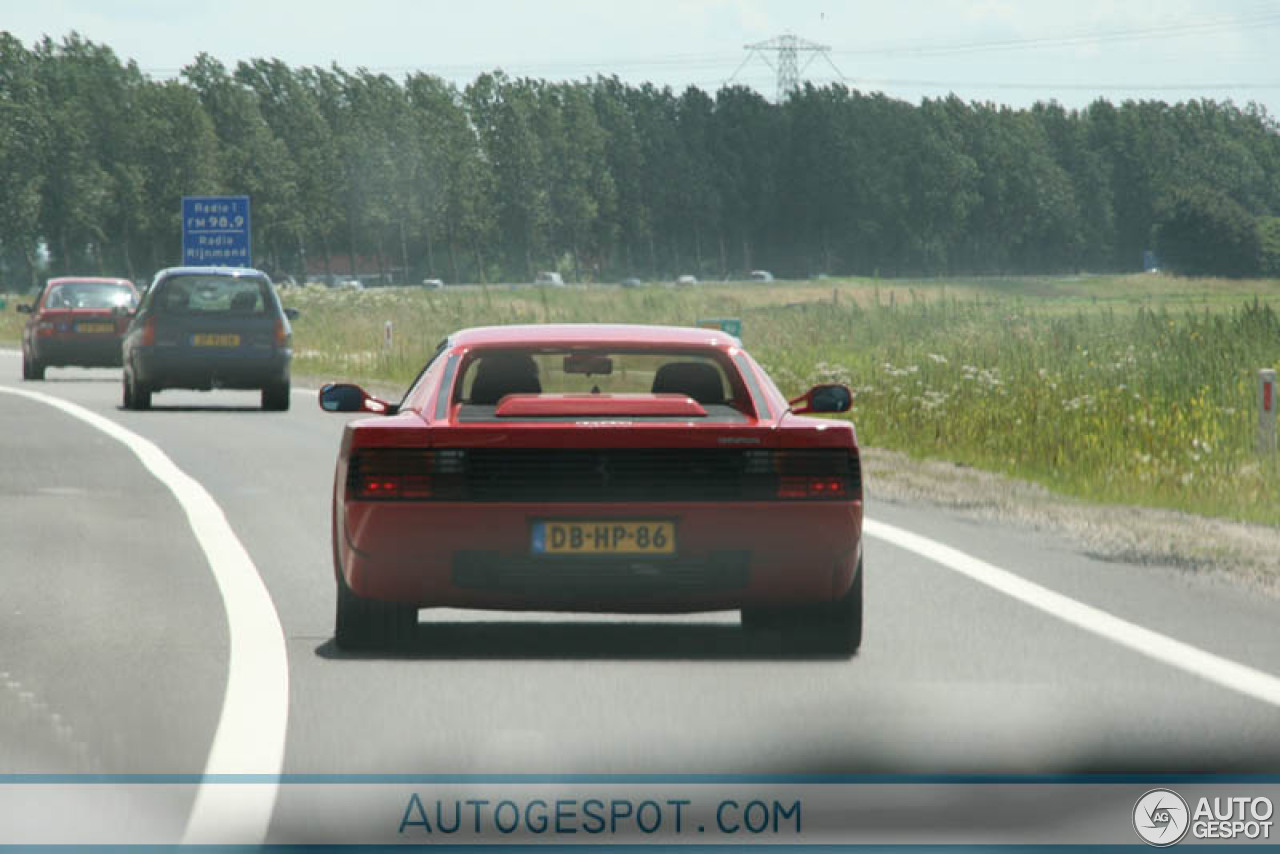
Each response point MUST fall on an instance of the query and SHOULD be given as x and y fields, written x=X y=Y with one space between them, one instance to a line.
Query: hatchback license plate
x=95 y=327
x=215 y=340
x=604 y=537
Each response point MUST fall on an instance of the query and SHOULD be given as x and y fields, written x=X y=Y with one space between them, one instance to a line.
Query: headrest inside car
x=698 y=380
x=502 y=374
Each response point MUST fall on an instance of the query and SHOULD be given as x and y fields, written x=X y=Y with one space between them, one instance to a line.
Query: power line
x=1074 y=40
x=1085 y=87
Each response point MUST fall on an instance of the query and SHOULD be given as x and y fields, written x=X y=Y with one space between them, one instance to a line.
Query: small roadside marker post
x=1266 y=411
x=387 y=336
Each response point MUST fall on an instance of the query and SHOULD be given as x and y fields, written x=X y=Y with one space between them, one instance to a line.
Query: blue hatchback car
x=209 y=327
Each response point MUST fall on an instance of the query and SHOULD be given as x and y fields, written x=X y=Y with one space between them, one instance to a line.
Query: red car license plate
x=607 y=536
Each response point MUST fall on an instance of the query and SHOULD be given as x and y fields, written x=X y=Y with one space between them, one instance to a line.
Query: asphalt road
x=116 y=645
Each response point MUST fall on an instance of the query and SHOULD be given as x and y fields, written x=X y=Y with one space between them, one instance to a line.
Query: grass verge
x=1119 y=390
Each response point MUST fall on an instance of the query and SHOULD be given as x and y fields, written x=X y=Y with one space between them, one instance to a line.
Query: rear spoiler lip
x=596 y=405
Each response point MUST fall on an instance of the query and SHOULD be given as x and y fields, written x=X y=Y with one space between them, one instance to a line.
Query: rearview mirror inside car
x=345 y=397
x=588 y=363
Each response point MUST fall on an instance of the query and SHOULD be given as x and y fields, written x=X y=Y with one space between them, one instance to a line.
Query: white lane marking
x=1214 y=668
x=250 y=737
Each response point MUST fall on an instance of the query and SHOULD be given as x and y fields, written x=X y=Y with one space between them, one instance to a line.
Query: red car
x=76 y=320
x=598 y=468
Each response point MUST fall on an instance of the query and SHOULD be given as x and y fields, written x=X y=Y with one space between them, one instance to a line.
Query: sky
x=1012 y=52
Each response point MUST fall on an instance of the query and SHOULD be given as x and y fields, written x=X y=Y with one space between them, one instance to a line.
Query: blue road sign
x=215 y=231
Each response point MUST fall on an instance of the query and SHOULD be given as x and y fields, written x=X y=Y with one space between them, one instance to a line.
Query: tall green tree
x=252 y=161
x=23 y=138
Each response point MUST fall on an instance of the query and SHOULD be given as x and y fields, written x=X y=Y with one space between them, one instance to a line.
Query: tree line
x=600 y=179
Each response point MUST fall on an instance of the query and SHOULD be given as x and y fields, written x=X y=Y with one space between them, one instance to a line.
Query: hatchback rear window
x=213 y=295
x=89 y=295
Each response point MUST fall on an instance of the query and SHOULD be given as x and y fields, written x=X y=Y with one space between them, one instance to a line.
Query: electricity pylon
x=788 y=68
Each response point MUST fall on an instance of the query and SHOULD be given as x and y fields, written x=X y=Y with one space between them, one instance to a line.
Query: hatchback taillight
x=149 y=331
x=282 y=333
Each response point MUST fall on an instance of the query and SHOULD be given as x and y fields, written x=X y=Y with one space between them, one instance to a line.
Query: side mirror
x=292 y=313
x=831 y=397
x=345 y=397
x=23 y=308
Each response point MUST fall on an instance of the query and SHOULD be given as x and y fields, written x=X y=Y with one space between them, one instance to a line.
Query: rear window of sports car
x=488 y=375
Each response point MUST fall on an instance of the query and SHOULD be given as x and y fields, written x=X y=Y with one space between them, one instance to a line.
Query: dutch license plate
x=215 y=340
x=95 y=327
x=609 y=536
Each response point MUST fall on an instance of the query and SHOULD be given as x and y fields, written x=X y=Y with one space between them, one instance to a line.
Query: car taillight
x=45 y=327
x=812 y=487
x=149 y=332
x=405 y=486
x=282 y=334
x=391 y=474
x=817 y=475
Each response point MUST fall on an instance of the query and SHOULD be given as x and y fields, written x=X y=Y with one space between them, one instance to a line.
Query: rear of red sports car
x=597 y=468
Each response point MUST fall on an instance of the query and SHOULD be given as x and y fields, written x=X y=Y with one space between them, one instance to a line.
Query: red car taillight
x=812 y=487
x=404 y=486
x=391 y=474
x=149 y=332
x=282 y=334
x=817 y=475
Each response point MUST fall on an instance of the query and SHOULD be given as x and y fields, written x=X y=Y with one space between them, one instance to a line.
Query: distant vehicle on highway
x=76 y=320
x=351 y=285
x=209 y=327
x=598 y=468
x=760 y=276
x=631 y=283
x=686 y=280
x=550 y=278
x=434 y=284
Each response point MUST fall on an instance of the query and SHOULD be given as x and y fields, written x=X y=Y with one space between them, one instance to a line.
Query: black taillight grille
x=580 y=475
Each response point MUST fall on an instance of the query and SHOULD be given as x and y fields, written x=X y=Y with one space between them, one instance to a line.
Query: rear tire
x=136 y=395
x=829 y=628
x=368 y=624
x=31 y=368
x=275 y=398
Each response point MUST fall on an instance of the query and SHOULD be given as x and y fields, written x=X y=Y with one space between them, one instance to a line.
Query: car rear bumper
x=80 y=350
x=480 y=556
x=160 y=367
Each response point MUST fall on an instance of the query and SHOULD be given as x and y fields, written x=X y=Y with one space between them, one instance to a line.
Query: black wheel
x=136 y=395
x=366 y=624
x=275 y=398
x=32 y=369
x=830 y=628
x=126 y=396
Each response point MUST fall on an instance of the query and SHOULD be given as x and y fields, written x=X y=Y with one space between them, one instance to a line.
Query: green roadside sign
x=732 y=325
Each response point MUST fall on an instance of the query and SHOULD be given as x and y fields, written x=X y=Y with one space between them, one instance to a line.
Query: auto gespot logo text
x=1162 y=818
x=1232 y=818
